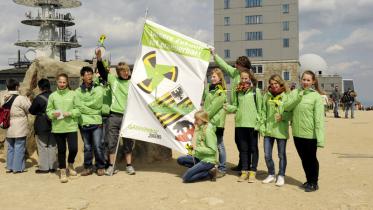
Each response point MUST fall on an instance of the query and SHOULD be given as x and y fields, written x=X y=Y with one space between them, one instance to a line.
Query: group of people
x=268 y=114
x=96 y=108
x=347 y=99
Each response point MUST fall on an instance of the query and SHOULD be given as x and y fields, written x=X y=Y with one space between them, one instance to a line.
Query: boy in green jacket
x=90 y=122
x=202 y=164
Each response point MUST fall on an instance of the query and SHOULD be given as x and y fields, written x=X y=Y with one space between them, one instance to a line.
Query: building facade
x=266 y=31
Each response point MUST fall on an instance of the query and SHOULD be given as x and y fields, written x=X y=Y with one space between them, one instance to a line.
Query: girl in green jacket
x=247 y=106
x=202 y=163
x=308 y=126
x=214 y=98
x=276 y=127
x=63 y=110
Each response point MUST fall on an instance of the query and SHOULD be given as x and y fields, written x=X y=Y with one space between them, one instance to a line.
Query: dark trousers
x=198 y=170
x=72 y=142
x=307 y=149
x=247 y=144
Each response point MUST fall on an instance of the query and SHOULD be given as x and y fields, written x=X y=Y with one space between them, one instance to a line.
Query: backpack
x=5 y=113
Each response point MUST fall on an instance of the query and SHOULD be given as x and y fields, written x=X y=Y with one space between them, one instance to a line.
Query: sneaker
x=220 y=174
x=213 y=174
x=304 y=185
x=130 y=170
x=269 y=179
x=86 y=172
x=71 y=170
x=311 y=187
x=110 y=171
x=280 y=180
x=100 y=172
x=251 y=177
x=8 y=171
x=63 y=177
x=38 y=171
x=243 y=177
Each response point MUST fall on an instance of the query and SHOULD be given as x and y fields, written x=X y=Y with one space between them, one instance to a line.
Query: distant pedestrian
x=349 y=102
x=336 y=97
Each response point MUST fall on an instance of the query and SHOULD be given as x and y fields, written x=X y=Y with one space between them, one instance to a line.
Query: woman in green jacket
x=214 y=98
x=202 y=163
x=63 y=110
x=247 y=106
x=308 y=126
x=276 y=127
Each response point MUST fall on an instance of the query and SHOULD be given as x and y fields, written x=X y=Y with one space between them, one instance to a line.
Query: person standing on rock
x=248 y=106
x=90 y=97
x=119 y=86
x=308 y=126
x=215 y=96
x=276 y=127
x=18 y=130
x=202 y=162
x=63 y=110
x=241 y=64
x=46 y=144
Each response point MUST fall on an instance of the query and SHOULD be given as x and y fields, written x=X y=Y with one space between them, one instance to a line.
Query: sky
x=340 y=31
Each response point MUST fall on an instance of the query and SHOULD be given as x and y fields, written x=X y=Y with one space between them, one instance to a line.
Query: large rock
x=49 y=68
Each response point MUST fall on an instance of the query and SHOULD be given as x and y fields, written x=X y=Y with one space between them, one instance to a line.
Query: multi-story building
x=264 y=30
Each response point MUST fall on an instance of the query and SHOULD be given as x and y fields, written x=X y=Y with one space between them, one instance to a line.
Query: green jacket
x=308 y=115
x=273 y=106
x=64 y=101
x=248 y=114
x=119 y=90
x=107 y=96
x=232 y=72
x=206 y=144
x=90 y=105
x=213 y=105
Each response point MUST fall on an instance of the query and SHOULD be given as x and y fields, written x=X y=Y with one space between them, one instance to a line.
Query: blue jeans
x=198 y=170
x=221 y=149
x=93 y=141
x=349 y=106
x=281 y=148
x=336 y=107
x=16 y=154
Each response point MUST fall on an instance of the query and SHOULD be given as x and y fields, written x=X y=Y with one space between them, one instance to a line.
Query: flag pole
x=119 y=137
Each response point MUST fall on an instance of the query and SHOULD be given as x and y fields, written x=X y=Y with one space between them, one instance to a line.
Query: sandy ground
x=346 y=177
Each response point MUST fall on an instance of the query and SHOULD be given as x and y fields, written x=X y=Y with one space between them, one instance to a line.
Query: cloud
x=334 y=48
x=360 y=37
x=304 y=36
x=317 y=5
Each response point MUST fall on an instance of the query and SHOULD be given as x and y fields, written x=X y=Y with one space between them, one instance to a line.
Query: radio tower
x=54 y=39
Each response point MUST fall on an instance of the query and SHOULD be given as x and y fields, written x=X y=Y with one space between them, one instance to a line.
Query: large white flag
x=166 y=88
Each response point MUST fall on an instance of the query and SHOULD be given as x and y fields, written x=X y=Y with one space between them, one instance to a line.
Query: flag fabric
x=166 y=88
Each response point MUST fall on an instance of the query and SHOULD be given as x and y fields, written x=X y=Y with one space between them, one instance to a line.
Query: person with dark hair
x=348 y=100
x=248 y=107
x=63 y=110
x=119 y=86
x=308 y=126
x=242 y=63
x=336 y=97
x=90 y=97
x=18 y=130
x=46 y=144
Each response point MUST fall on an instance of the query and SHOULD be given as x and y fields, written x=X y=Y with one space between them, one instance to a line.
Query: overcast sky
x=340 y=31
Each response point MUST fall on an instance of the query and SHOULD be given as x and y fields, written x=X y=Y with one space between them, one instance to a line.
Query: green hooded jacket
x=213 y=105
x=273 y=106
x=206 y=143
x=248 y=113
x=107 y=96
x=119 y=93
x=90 y=105
x=64 y=101
x=232 y=72
x=307 y=115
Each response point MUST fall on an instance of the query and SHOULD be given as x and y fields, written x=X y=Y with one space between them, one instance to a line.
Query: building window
x=286 y=75
x=227 y=21
x=254 y=52
x=227 y=53
x=285 y=43
x=253 y=3
x=322 y=86
x=285 y=25
x=332 y=85
x=257 y=69
x=285 y=8
x=260 y=84
x=254 y=35
x=254 y=19
x=227 y=4
x=227 y=37
x=2 y=84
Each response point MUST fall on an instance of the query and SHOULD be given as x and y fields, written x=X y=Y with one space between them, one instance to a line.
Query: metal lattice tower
x=54 y=39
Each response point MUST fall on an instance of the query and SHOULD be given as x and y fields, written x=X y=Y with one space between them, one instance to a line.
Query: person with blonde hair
x=201 y=162
x=276 y=127
x=214 y=98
